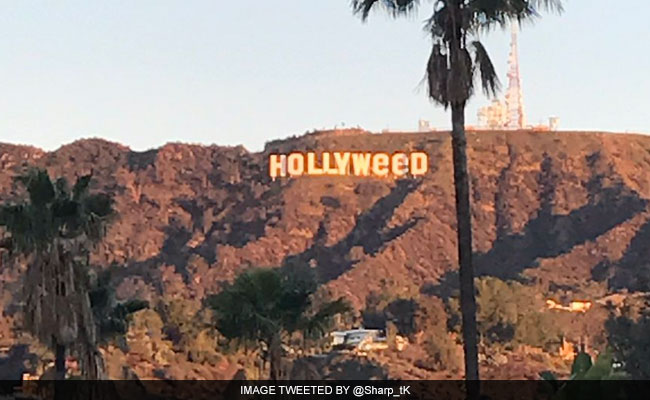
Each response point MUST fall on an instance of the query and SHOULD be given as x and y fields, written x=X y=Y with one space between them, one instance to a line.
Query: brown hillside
x=561 y=208
x=559 y=203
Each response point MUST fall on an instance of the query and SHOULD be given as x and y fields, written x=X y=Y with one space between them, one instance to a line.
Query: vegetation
x=381 y=307
x=112 y=317
x=628 y=336
x=422 y=319
x=264 y=307
x=584 y=369
x=439 y=344
x=189 y=326
x=410 y=315
x=51 y=233
x=457 y=57
x=511 y=312
x=441 y=350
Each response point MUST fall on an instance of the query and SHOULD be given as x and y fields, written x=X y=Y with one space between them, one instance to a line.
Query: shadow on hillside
x=632 y=271
x=548 y=235
x=12 y=366
x=628 y=335
x=226 y=220
x=369 y=232
x=174 y=249
x=244 y=217
x=336 y=367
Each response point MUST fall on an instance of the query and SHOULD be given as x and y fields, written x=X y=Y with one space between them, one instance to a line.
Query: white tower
x=516 y=118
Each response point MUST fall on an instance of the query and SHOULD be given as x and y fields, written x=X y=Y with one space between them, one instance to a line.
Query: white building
x=355 y=336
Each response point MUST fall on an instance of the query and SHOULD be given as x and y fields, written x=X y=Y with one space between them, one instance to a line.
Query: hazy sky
x=147 y=72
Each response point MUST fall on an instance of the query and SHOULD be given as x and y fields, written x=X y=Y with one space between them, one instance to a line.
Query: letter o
x=295 y=164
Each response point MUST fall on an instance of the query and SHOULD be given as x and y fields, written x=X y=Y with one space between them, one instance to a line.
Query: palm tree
x=264 y=306
x=50 y=233
x=457 y=59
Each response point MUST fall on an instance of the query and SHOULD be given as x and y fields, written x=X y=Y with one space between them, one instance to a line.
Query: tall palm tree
x=457 y=59
x=50 y=233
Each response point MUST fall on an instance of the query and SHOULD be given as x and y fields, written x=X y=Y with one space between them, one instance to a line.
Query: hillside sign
x=362 y=164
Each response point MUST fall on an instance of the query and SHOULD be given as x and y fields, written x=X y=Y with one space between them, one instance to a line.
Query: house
x=362 y=341
x=577 y=306
x=353 y=337
x=580 y=306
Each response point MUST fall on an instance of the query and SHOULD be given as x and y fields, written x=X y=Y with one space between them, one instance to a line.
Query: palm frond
x=5 y=212
x=363 y=7
x=16 y=219
x=62 y=188
x=319 y=323
x=437 y=75
x=438 y=25
x=38 y=185
x=99 y=204
x=393 y=7
x=81 y=186
x=548 y=5
x=65 y=209
x=460 y=80
x=489 y=79
x=490 y=13
x=52 y=212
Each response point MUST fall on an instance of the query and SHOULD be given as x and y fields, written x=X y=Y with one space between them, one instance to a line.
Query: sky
x=148 y=72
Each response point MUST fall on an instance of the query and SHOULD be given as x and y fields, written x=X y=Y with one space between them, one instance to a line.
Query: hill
x=565 y=209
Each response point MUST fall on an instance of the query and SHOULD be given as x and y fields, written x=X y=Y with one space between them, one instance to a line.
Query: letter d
x=419 y=163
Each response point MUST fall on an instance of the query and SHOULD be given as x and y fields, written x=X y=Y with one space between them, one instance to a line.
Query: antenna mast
x=516 y=118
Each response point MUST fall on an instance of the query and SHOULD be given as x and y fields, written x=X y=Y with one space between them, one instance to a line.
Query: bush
x=510 y=311
x=441 y=350
x=537 y=329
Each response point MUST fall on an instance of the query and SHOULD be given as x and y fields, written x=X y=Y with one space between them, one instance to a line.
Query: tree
x=441 y=350
x=628 y=335
x=439 y=345
x=450 y=74
x=584 y=369
x=509 y=311
x=265 y=306
x=51 y=233
x=111 y=317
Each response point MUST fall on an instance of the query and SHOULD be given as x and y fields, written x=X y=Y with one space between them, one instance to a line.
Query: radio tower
x=516 y=118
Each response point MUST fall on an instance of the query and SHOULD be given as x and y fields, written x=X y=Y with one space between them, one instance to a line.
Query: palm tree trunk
x=60 y=392
x=59 y=360
x=275 y=357
x=464 y=231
